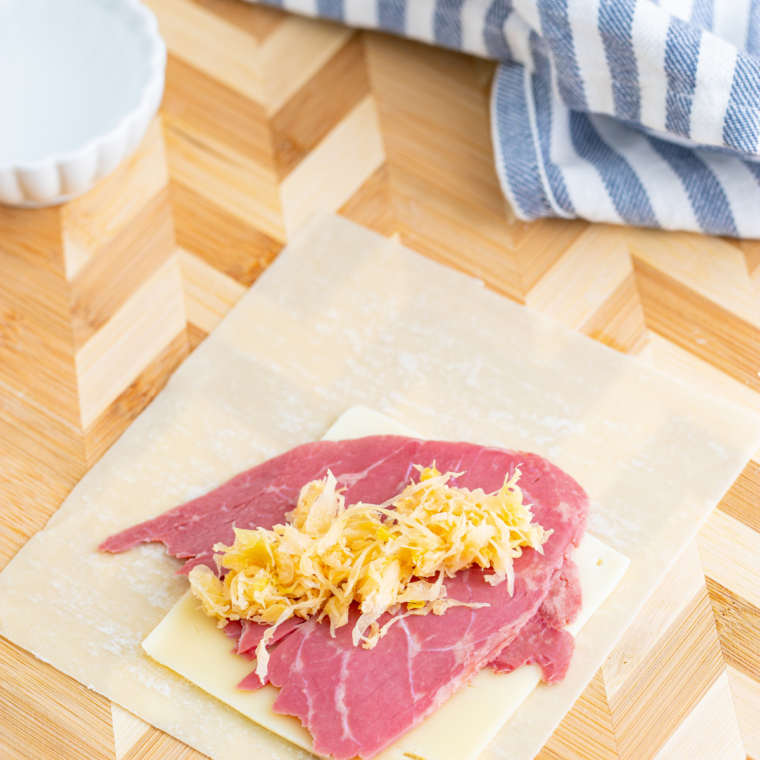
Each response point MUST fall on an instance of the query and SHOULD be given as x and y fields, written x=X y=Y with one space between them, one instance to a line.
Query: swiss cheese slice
x=189 y=642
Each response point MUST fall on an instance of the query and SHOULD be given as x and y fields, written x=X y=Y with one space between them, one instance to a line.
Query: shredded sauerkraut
x=378 y=556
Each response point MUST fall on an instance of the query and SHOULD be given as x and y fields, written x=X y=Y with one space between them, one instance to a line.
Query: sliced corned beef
x=563 y=602
x=254 y=632
x=247 y=634
x=543 y=640
x=233 y=629
x=541 y=644
x=356 y=701
x=372 y=468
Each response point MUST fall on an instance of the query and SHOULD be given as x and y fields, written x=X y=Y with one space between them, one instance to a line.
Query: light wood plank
x=36 y=340
x=34 y=480
x=619 y=321
x=676 y=593
x=474 y=241
x=586 y=733
x=729 y=550
x=256 y=19
x=89 y=223
x=738 y=624
x=698 y=324
x=241 y=187
x=667 y=683
x=121 y=266
x=100 y=434
x=52 y=715
x=717 y=271
x=677 y=362
x=115 y=355
x=710 y=730
x=217 y=47
x=372 y=205
x=46 y=434
x=216 y=115
x=596 y=264
x=335 y=169
x=743 y=497
x=322 y=103
x=34 y=240
x=746 y=697
x=433 y=108
x=128 y=729
x=293 y=53
x=219 y=238
x=540 y=244
x=209 y=294
x=156 y=745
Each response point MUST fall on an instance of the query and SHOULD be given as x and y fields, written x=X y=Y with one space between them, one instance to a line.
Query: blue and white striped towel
x=622 y=111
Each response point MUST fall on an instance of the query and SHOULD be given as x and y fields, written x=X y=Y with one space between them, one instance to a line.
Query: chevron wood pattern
x=268 y=118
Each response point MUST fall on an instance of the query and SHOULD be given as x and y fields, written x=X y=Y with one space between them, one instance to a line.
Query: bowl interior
x=70 y=70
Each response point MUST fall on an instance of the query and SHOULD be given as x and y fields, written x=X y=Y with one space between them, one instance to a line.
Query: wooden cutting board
x=266 y=119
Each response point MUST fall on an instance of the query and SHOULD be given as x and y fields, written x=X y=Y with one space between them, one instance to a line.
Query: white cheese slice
x=360 y=421
x=188 y=642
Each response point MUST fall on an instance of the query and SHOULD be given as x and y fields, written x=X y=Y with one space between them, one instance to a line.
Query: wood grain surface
x=268 y=118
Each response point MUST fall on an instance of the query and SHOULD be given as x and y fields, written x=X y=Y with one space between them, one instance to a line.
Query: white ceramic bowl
x=80 y=81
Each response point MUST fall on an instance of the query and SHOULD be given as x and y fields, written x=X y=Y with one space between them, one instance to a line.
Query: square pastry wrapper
x=345 y=317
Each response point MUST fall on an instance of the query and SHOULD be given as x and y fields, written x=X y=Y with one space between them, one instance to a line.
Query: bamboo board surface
x=266 y=119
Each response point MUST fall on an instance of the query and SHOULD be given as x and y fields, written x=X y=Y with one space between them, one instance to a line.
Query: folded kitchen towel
x=623 y=111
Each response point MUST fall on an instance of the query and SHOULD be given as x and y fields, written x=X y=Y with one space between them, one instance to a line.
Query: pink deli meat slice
x=373 y=469
x=543 y=640
x=233 y=630
x=247 y=634
x=563 y=602
x=356 y=701
x=254 y=632
x=541 y=644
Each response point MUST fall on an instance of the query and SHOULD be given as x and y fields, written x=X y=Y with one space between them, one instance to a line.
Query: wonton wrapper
x=347 y=317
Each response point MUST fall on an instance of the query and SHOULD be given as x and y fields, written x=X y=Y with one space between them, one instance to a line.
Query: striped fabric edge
x=555 y=161
x=515 y=144
x=543 y=112
x=658 y=66
x=470 y=26
x=622 y=183
x=629 y=176
x=708 y=197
